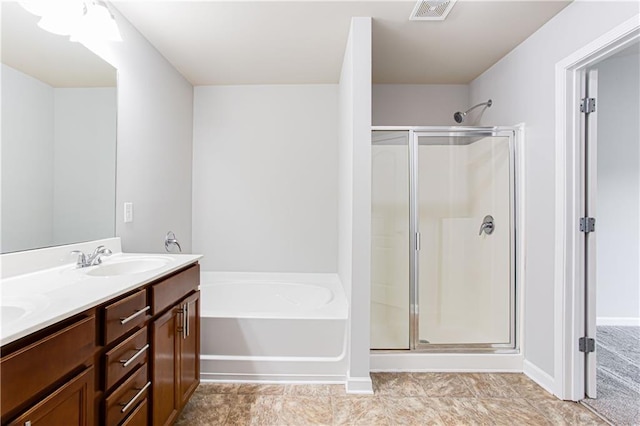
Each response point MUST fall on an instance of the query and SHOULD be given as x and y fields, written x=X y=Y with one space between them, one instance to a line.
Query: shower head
x=459 y=116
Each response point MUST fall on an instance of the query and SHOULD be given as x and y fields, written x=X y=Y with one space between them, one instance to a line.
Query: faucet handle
x=487 y=225
x=96 y=257
x=171 y=240
x=97 y=250
x=82 y=258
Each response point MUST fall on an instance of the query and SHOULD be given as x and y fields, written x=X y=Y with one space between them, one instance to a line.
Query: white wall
x=27 y=162
x=522 y=88
x=418 y=104
x=84 y=191
x=265 y=178
x=618 y=193
x=154 y=152
x=354 y=199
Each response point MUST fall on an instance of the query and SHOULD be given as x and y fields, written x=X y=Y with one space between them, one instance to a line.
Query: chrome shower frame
x=414 y=132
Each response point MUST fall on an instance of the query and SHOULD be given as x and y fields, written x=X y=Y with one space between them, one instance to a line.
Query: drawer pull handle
x=123 y=321
x=133 y=400
x=127 y=362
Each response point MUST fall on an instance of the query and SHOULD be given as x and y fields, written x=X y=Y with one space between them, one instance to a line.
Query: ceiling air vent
x=431 y=10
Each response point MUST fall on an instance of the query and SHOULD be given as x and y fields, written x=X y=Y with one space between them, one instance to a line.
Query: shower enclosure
x=443 y=239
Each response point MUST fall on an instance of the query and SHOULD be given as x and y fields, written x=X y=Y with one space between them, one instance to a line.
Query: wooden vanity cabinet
x=175 y=342
x=133 y=361
x=156 y=351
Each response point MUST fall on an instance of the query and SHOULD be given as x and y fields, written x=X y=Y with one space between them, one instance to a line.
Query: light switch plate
x=128 y=212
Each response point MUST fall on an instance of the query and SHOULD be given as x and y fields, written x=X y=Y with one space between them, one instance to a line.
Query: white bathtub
x=272 y=327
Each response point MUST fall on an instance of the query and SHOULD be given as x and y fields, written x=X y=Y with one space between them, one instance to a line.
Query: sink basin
x=13 y=309
x=10 y=314
x=128 y=266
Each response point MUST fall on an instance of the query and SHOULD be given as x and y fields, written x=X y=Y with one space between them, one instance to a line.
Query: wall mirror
x=58 y=154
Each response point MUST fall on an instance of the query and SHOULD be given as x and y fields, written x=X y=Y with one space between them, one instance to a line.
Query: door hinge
x=587 y=224
x=418 y=241
x=588 y=105
x=586 y=344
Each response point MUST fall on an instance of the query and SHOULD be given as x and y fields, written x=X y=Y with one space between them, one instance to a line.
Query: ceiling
x=302 y=42
x=50 y=58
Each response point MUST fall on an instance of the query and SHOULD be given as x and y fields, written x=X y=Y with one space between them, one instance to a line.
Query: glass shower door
x=390 y=240
x=464 y=214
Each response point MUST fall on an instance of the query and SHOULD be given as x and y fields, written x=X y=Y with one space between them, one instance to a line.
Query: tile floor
x=399 y=399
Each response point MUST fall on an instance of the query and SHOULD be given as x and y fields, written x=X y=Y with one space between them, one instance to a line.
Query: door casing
x=570 y=293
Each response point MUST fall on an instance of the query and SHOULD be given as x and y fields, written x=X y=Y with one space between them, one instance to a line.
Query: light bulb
x=59 y=17
x=96 y=24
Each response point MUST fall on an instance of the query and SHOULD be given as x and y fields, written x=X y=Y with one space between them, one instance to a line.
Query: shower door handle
x=487 y=225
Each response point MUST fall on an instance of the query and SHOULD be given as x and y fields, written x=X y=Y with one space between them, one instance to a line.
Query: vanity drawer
x=125 y=357
x=139 y=416
x=124 y=315
x=126 y=397
x=167 y=292
x=30 y=370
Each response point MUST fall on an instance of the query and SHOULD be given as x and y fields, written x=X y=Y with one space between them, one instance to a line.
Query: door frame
x=569 y=273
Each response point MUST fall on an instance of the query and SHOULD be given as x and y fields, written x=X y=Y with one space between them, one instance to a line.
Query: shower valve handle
x=487 y=225
x=171 y=240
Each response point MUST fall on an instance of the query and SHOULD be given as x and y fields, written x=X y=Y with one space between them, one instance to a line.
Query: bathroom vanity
x=127 y=354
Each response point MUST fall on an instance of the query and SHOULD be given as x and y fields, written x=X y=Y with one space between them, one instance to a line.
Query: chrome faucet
x=170 y=240
x=92 y=259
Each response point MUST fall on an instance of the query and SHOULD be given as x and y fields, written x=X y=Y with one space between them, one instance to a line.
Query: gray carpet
x=618 y=375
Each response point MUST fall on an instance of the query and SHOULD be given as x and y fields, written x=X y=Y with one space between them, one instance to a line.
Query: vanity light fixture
x=60 y=17
x=82 y=20
x=97 y=23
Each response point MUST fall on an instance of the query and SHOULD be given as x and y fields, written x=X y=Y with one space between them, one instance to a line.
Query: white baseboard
x=626 y=321
x=359 y=385
x=272 y=379
x=218 y=368
x=539 y=376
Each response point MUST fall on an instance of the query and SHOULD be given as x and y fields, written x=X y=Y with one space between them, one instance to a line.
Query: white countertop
x=50 y=295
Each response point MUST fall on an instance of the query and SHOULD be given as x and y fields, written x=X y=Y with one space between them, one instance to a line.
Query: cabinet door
x=61 y=352
x=189 y=348
x=70 y=405
x=164 y=366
